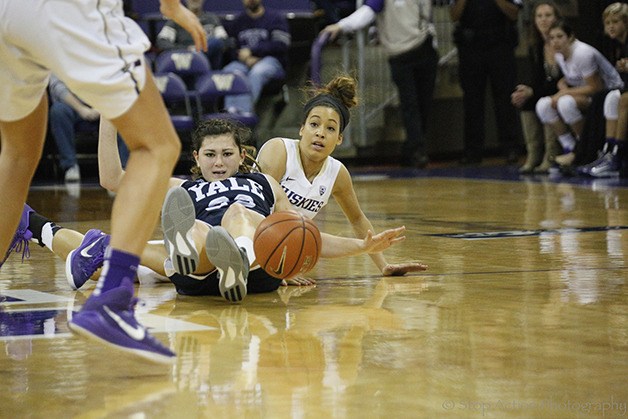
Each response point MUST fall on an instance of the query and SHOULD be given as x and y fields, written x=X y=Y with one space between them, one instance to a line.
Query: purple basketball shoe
x=21 y=237
x=83 y=261
x=109 y=318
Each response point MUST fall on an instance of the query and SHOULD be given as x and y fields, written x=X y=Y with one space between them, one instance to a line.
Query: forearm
x=336 y=247
x=357 y=20
x=74 y=102
x=110 y=169
x=360 y=229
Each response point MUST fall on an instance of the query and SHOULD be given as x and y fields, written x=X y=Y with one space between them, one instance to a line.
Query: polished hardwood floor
x=523 y=313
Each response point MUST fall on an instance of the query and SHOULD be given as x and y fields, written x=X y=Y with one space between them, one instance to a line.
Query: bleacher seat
x=189 y=65
x=211 y=90
x=177 y=100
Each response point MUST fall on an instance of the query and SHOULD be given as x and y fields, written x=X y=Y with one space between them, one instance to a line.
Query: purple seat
x=211 y=90
x=189 y=65
x=177 y=100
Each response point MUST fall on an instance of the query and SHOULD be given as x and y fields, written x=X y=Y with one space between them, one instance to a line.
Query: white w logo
x=223 y=82
x=182 y=61
x=161 y=82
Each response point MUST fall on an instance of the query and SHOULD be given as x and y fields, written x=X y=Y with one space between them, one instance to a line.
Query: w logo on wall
x=223 y=82
x=182 y=61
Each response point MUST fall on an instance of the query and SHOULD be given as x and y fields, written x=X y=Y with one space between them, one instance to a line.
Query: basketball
x=286 y=244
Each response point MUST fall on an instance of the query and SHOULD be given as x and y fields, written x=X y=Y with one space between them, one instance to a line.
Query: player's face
x=544 y=17
x=615 y=27
x=218 y=157
x=560 y=41
x=321 y=132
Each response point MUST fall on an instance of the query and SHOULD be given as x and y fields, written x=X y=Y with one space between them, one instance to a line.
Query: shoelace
x=19 y=244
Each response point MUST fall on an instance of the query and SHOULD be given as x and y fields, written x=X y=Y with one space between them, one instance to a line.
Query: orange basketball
x=286 y=243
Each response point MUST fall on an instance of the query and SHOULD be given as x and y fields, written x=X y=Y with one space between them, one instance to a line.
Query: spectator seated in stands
x=612 y=157
x=585 y=73
x=173 y=36
x=67 y=111
x=261 y=39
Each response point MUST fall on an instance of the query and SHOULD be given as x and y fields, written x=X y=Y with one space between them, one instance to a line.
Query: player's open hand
x=382 y=241
x=173 y=9
x=400 y=269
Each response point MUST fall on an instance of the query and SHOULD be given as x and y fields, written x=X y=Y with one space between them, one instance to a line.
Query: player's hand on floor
x=299 y=281
x=382 y=241
x=400 y=269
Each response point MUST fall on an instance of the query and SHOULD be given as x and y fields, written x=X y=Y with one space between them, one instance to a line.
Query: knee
x=568 y=109
x=611 y=104
x=544 y=110
x=236 y=213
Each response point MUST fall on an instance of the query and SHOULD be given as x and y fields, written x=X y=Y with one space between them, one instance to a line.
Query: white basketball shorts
x=89 y=44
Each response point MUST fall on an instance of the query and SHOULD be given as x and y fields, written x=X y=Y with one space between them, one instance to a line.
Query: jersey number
x=223 y=201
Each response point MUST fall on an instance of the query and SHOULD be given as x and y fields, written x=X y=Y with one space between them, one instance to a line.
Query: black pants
x=258 y=282
x=477 y=67
x=414 y=74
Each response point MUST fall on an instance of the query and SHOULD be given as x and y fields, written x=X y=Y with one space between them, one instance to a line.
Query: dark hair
x=340 y=94
x=536 y=38
x=241 y=136
x=564 y=26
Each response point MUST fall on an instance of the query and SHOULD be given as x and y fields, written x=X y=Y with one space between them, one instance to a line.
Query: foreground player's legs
x=108 y=315
x=21 y=145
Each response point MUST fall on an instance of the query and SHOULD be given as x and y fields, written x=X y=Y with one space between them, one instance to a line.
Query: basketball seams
x=282 y=249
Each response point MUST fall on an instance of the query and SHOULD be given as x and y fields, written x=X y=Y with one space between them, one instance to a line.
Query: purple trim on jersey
x=376 y=5
x=212 y=199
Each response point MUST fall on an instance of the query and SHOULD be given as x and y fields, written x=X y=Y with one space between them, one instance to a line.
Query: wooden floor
x=523 y=313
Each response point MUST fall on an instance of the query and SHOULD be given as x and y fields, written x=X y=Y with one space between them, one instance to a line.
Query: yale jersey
x=211 y=199
x=307 y=198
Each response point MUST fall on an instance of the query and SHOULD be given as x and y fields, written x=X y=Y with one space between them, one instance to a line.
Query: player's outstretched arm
x=335 y=246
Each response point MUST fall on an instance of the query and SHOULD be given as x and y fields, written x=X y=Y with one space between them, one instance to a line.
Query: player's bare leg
x=21 y=145
x=108 y=315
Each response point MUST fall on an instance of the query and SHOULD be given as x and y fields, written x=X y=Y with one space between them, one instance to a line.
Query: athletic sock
x=118 y=265
x=43 y=229
x=567 y=141
x=246 y=243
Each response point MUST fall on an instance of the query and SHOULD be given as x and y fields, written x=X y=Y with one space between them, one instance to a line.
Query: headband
x=331 y=102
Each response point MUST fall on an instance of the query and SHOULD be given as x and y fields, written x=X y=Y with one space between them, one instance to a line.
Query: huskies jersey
x=211 y=199
x=307 y=198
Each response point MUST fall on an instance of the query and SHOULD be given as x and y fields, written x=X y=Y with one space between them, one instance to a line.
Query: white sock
x=247 y=244
x=46 y=236
x=567 y=141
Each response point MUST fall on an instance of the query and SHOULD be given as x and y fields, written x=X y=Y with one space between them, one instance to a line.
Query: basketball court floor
x=523 y=313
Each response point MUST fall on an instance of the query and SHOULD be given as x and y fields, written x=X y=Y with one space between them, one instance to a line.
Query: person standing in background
x=407 y=33
x=545 y=74
x=486 y=36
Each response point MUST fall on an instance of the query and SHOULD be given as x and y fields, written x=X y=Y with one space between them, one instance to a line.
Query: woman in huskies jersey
x=310 y=175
